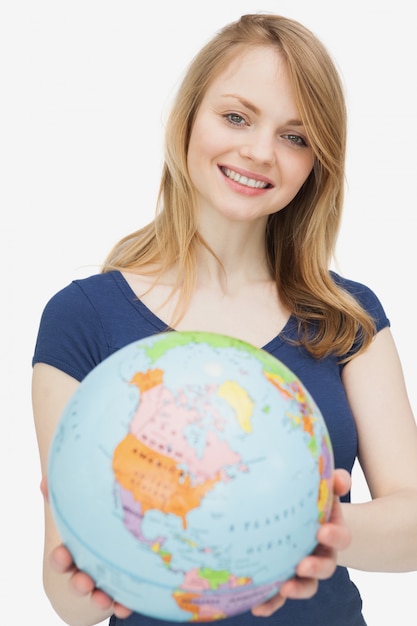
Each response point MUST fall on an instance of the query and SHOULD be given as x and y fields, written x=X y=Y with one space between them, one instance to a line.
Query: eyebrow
x=254 y=108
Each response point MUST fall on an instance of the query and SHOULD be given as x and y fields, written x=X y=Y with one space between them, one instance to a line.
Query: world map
x=209 y=467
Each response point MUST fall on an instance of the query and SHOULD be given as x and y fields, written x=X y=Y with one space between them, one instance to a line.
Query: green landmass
x=172 y=339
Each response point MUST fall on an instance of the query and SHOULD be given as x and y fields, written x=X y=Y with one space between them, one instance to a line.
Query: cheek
x=202 y=157
x=309 y=160
x=299 y=168
x=208 y=138
x=196 y=149
x=198 y=157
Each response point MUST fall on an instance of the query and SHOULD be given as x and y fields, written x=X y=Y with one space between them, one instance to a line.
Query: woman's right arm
x=71 y=592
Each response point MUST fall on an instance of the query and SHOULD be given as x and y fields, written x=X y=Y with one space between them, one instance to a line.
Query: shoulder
x=93 y=286
x=72 y=334
x=366 y=297
x=88 y=297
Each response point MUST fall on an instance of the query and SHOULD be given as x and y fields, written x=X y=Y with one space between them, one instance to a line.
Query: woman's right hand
x=80 y=582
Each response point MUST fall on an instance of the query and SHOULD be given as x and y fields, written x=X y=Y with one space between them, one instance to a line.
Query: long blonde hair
x=300 y=239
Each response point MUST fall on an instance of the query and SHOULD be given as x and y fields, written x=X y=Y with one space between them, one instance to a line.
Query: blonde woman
x=248 y=214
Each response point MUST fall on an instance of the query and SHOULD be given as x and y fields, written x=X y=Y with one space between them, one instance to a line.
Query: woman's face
x=248 y=153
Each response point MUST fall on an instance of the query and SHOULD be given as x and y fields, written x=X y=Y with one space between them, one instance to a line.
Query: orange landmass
x=185 y=601
x=308 y=425
x=155 y=480
x=277 y=381
x=147 y=380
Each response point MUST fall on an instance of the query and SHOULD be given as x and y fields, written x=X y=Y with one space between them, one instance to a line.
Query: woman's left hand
x=332 y=536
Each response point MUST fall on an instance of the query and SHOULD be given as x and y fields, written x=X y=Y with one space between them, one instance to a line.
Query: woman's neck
x=236 y=255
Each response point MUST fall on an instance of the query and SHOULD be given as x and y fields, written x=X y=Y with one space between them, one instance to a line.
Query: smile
x=244 y=180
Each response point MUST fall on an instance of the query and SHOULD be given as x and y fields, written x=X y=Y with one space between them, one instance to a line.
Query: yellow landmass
x=240 y=401
x=323 y=499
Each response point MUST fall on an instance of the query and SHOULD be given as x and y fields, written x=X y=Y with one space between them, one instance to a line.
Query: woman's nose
x=259 y=147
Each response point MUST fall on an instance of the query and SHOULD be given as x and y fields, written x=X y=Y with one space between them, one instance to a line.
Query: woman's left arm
x=384 y=530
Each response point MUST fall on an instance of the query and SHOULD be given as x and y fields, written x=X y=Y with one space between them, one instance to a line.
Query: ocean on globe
x=189 y=475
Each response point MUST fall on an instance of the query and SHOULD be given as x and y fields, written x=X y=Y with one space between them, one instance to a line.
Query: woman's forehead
x=246 y=64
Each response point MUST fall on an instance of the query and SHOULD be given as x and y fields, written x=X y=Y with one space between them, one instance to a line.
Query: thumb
x=44 y=487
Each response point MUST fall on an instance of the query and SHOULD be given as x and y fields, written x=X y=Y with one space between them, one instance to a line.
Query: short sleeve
x=71 y=337
x=369 y=301
x=366 y=298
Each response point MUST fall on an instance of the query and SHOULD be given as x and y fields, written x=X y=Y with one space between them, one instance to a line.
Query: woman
x=249 y=210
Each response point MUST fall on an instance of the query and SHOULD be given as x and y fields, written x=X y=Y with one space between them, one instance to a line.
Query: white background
x=85 y=85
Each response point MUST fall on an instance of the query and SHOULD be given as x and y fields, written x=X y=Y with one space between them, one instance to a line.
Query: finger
x=270 y=606
x=61 y=560
x=299 y=588
x=334 y=534
x=44 y=487
x=336 y=516
x=101 y=599
x=342 y=482
x=320 y=565
x=84 y=586
x=82 y=583
x=121 y=611
x=105 y=602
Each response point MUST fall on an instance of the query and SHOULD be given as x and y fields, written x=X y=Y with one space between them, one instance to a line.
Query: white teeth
x=244 y=180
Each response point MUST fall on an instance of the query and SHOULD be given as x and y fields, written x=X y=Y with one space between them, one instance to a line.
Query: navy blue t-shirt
x=91 y=318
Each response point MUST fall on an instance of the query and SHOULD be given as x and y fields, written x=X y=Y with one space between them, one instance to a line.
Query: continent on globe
x=211 y=595
x=148 y=461
x=155 y=480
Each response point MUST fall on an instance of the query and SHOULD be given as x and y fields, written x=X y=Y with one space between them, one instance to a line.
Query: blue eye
x=296 y=140
x=235 y=119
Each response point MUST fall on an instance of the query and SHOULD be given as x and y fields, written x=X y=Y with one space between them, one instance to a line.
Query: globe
x=189 y=474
